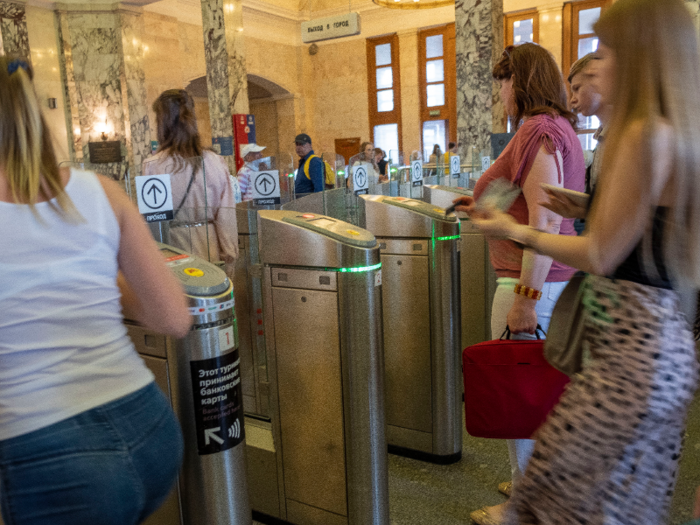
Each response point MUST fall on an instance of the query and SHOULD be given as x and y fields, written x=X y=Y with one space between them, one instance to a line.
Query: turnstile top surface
x=450 y=189
x=421 y=207
x=339 y=230
x=199 y=277
x=292 y=238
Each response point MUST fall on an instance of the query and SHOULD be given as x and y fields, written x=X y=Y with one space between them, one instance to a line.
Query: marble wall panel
x=14 y=36
x=266 y=125
x=479 y=44
x=410 y=91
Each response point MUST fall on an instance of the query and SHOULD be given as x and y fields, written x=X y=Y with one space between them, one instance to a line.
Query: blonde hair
x=26 y=150
x=657 y=74
x=578 y=66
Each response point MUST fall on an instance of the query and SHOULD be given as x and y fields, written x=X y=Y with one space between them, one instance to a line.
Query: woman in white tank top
x=82 y=425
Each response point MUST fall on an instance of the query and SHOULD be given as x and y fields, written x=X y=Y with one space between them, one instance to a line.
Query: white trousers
x=520 y=450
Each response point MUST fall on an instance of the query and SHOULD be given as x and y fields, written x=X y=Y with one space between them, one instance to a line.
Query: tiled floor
x=426 y=494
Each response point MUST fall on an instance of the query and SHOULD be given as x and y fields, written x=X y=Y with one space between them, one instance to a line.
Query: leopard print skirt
x=608 y=453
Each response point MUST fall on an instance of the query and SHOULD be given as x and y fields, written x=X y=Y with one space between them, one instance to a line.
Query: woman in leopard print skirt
x=609 y=451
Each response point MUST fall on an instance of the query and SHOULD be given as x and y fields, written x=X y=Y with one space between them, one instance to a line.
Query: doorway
x=347 y=148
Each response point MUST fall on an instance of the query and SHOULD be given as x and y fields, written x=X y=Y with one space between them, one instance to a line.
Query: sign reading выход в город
x=331 y=27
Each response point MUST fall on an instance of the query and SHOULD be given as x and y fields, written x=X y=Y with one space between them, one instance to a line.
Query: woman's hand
x=522 y=317
x=465 y=204
x=563 y=205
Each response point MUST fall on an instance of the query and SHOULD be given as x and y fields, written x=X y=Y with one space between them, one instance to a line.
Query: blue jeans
x=114 y=464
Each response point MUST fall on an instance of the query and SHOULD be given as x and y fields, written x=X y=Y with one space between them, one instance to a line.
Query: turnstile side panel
x=310 y=397
x=473 y=269
x=409 y=438
x=159 y=367
x=147 y=342
x=301 y=514
x=243 y=318
x=407 y=341
x=262 y=480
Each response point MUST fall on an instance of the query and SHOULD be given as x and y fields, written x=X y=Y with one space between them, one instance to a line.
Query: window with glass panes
x=438 y=88
x=521 y=27
x=579 y=40
x=384 y=90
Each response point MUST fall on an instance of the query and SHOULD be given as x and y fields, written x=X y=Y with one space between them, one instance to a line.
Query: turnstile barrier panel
x=406 y=335
x=333 y=228
x=310 y=397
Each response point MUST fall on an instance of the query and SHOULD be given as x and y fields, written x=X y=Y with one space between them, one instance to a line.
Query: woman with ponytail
x=83 y=426
x=204 y=220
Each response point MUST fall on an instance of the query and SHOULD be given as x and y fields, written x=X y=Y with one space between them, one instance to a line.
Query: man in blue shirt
x=316 y=179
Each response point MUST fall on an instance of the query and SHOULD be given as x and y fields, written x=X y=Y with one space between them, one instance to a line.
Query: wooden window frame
x=449 y=110
x=509 y=18
x=377 y=118
x=570 y=36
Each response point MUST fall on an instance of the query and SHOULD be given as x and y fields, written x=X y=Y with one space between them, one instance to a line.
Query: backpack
x=328 y=171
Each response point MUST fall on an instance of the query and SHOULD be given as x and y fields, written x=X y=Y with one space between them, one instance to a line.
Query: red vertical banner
x=243 y=133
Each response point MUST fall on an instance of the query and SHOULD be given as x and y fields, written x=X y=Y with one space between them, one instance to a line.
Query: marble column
x=479 y=45
x=104 y=81
x=14 y=38
x=227 y=79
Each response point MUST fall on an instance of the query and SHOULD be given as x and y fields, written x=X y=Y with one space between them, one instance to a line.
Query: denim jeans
x=111 y=465
x=520 y=450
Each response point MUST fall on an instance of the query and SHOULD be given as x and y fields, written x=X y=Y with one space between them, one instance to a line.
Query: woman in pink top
x=545 y=149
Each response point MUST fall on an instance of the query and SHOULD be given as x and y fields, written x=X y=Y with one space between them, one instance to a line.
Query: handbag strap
x=507 y=334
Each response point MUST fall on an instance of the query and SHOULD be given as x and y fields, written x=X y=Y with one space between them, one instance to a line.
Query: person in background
x=381 y=162
x=366 y=154
x=308 y=163
x=86 y=436
x=545 y=149
x=435 y=155
x=251 y=154
x=609 y=450
x=204 y=212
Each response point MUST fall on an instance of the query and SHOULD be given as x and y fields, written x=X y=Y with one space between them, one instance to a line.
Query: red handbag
x=509 y=387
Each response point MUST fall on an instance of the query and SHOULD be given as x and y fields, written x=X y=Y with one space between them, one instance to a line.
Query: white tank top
x=63 y=346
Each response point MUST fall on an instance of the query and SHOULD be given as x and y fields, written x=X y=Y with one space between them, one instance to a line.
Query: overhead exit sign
x=331 y=27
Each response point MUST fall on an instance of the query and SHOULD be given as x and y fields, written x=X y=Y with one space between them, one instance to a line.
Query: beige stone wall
x=43 y=43
x=410 y=91
x=266 y=125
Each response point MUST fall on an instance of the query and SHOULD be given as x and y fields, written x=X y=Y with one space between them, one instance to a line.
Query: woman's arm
x=620 y=211
x=225 y=219
x=535 y=267
x=151 y=294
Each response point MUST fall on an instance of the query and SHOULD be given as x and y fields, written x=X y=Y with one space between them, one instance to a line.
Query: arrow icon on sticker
x=210 y=433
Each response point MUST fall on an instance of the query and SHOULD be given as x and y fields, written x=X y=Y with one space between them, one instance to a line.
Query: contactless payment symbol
x=417 y=172
x=360 y=180
x=455 y=164
x=266 y=188
x=154 y=196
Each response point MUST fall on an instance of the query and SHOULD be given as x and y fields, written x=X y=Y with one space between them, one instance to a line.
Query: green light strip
x=448 y=238
x=358 y=269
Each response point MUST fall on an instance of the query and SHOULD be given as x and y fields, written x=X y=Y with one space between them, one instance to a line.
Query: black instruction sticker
x=218 y=396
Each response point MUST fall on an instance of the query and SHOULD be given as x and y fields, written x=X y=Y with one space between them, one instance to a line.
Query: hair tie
x=13 y=66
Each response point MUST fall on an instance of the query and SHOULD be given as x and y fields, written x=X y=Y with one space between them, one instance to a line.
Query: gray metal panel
x=445 y=331
x=385 y=220
x=261 y=462
x=301 y=514
x=473 y=269
x=147 y=342
x=159 y=367
x=403 y=246
x=245 y=327
x=362 y=362
x=167 y=514
x=411 y=439
x=406 y=313
x=310 y=397
x=306 y=279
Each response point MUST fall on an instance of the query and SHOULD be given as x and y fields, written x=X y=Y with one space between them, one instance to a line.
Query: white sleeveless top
x=63 y=346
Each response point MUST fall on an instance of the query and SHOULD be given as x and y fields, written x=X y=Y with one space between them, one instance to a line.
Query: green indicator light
x=393 y=170
x=448 y=238
x=358 y=269
x=341 y=172
x=291 y=175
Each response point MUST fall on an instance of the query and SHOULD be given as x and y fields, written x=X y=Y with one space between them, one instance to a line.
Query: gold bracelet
x=531 y=293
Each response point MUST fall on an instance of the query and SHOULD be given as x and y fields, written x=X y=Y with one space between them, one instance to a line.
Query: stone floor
x=426 y=494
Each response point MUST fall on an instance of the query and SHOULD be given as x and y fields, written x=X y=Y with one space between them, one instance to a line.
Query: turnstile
x=478 y=279
x=201 y=375
x=321 y=459
x=420 y=303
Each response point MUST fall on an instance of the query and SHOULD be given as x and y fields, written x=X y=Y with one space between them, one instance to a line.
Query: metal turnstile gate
x=478 y=279
x=322 y=458
x=200 y=373
x=421 y=307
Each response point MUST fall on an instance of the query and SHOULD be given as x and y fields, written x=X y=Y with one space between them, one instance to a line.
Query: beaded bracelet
x=521 y=289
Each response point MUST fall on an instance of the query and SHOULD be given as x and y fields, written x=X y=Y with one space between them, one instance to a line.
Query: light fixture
x=413 y=4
